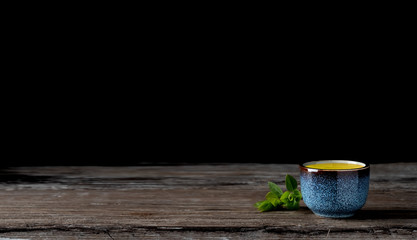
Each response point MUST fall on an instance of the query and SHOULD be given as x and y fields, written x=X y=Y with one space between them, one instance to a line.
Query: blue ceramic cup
x=334 y=193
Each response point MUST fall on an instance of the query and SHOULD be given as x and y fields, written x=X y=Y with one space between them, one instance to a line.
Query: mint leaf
x=265 y=206
x=297 y=195
x=290 y=183
x=275 y=189
x=258 y=204
x=276 y=199
x=284 y=197
x=276 y=202
x=291 y=197
x=292 y=205
x=272 y=198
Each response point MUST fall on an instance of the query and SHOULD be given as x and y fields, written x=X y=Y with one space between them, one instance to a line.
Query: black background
x=166 y=124
x=191 y=92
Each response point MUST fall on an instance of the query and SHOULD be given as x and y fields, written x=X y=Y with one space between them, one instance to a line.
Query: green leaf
x=265 y=206
x=284 y=197
x=291 y=197
x=258 y=204
x=275 y=189
x=290 y=183
x=276 y=199
x=275 y=202
x=272 y=198
x=291 y=205
x=297 y=194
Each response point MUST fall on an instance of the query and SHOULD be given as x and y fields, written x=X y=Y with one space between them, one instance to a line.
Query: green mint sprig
x=277 y=200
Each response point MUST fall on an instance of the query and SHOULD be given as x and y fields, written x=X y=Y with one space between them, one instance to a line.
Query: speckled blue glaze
x=334 y=193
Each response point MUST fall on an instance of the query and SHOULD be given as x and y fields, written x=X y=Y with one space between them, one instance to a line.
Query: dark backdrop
x=204 y=127
x=184 y=91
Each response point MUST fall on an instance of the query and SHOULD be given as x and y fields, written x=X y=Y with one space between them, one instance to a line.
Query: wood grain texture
x=190 y=202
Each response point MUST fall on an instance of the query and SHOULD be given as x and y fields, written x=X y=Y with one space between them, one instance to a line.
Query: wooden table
x=190 y=202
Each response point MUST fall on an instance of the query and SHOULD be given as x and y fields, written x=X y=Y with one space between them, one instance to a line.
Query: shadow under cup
x=334 y=193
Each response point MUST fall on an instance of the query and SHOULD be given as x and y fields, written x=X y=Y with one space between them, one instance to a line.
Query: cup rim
x=365 y=166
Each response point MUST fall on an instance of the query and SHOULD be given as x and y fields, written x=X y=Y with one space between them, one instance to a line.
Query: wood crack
x=268 y=229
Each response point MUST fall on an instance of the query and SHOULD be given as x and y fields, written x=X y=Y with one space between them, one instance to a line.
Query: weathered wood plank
x=199 y=201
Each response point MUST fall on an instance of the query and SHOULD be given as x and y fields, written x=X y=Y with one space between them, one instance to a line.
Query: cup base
x=335 y=215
